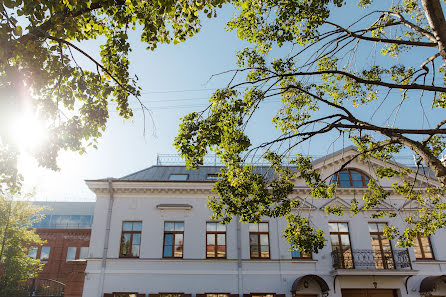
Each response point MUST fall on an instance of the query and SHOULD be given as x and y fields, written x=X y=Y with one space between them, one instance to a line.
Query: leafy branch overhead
x=339 y=79
x=46 y=67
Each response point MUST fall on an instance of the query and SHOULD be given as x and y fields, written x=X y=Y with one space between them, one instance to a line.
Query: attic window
x=178 y=176
x=350 y=178
x=213 y=176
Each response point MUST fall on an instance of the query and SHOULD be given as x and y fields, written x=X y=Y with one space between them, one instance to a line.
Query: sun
x=28 y=131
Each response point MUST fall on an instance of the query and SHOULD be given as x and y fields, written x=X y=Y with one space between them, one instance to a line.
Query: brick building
x=66 y=229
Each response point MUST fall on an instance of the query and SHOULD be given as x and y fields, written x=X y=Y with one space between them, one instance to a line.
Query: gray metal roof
x=203 y=173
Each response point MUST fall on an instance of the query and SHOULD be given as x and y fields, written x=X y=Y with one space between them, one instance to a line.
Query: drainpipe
x=239 y=257
x=106 y=238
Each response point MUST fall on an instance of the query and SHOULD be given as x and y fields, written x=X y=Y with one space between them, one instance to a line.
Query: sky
x=175 y=80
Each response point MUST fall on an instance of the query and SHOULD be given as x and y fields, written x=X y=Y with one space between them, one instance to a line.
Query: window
x=340 y=244
x=213 y=176
x=83 y=252
x=217 y=295
x=382 y=248
x=262 y=295
x=45 y=253
x=350 y=178
x=32 y=252
x=173 y=240
x=178 y=177
x=423 y=247
x=299 y=255
x=258 y=240
x=125 y=294
x=71 y=253
x=171 y=294
x=215 y=240
x=130 y=239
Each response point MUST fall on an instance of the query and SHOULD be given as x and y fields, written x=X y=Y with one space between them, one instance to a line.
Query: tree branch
x=384 y=40
x=434 y=15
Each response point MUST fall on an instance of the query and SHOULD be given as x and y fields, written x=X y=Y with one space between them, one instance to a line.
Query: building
x=152 y=237
x=66 y=229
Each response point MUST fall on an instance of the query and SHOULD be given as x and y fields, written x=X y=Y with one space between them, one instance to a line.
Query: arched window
x=350 y=178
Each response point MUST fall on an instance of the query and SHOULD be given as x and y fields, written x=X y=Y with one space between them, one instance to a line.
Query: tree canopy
x=337 y=75
x=16 y=236
x=39 y=44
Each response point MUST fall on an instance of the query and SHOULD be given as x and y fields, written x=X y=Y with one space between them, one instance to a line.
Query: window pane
x=83 y=252
x=221 y=239
x=211 y=238
x=343 y=175
x=264 y=239
x=356 y=175
x=169 y=226
x=253 y=227
x=343 y=227
x=357 y=183
x=168 y=239
x=253 y=239
x=179 y=226
x=127 y=226
x=345 y=241
x=137 y=226
x=168 y=251
x=178 y=177
x=71 y=253
x=136 y=238
x=254 y=251
x=45 y=253
x=32 y=252
x=178 y=239
x=333 y=227
x=381 y=226
x=264 y=251
x=178 y=251
x=344 y=183
x=373 y=227
x=263 y=227
x=221 y=251
x=334 y=239
x=135 y=250
x=295 y=254
x=210 y=250
x=221 y=228
x=211 y=226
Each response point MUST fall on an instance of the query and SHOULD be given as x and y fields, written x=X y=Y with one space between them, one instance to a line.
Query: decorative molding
x=174 y=206
x=303 y=204
x=336 y=202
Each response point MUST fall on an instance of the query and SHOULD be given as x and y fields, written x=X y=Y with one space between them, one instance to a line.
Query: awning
x=301 y=281
x=428 y=284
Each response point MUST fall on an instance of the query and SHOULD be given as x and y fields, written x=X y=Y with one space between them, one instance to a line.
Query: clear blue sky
x=175 y=82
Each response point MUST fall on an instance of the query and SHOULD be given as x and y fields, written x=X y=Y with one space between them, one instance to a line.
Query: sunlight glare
x=29 y=132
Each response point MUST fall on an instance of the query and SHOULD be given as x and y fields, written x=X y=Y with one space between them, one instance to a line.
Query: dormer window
x=180 y=177
x=350 y=178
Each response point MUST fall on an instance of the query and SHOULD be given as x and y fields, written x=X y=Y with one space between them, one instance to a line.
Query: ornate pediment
x=383 y=206
x=303 y=204
x=336 y=202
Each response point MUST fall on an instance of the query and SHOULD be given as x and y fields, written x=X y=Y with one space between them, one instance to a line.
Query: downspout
x=239 y=258
x=106 y=238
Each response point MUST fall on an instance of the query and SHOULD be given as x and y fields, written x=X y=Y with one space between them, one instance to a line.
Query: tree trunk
x=435 y=17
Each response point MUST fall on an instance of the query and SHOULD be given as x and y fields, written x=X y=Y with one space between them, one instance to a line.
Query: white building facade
x=152 y=236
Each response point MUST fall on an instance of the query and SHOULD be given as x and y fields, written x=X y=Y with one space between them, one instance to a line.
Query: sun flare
x=28 y=132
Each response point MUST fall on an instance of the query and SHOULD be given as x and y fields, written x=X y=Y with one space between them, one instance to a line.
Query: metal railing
x=371 y=259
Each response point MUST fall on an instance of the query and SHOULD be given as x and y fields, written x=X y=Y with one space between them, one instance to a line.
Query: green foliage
x=16 y=235
x=38 y=43
x=331 y=69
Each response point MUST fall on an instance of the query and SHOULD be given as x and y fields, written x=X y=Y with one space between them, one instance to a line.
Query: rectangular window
x=32 y=252
x=259 y=240
x=215 y=240
x=423 y=247
x=125 y=294
x=217 y=295
x=382 y=248
x=45 y=253
x=340 y=244
x=130 y=239
x=171 y=294
x=83 y=252
x=71 y=253
x=299 y=255
x=179 y=177
x=173 y=240
x=262 y=295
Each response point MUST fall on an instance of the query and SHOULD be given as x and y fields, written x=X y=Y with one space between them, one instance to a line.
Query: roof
x=203 y=173
x=66 y=208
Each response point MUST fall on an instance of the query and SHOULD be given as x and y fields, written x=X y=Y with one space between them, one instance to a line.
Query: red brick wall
x=72 y=272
